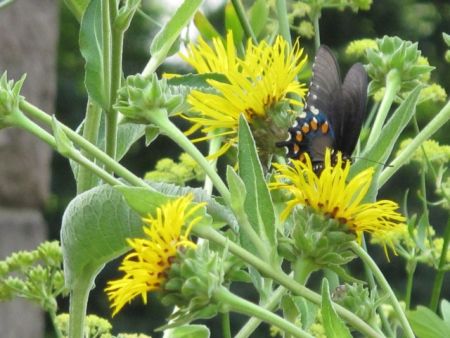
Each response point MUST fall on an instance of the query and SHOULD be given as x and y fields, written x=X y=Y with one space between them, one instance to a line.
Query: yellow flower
x=146 y=266
x=265 y=77
x=331 y=194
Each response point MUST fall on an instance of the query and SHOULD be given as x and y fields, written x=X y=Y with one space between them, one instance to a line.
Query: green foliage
x=34 y=275
x=242 y=236
x=169 y=171
x=93 y=231
x=258 y=205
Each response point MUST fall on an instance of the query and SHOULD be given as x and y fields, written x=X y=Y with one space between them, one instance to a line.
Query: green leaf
x=168 y=35
x=445 y=310
x=151 y=133
x=333 y=325
x=259 y=13
x=233 y=24
x=92 y=50
x=77 y=7
x=63 y=144
x=196 y=80
x=446 y=38
x=204 y=26
x=382 y=148
x=258 y=202
x=427 y=324
x=188 y=331
x=422 y=230
x=290 y=309
x=94 y=228
x=237 y=189
x=144 y=200
x=127 y=135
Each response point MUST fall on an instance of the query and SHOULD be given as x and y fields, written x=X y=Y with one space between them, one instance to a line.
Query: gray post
x=28 y=40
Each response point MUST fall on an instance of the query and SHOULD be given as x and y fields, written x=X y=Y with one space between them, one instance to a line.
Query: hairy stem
x=386 y=287
x=243 y=306
x=393 y=83
x=437 y=122
x=284 y=280
x=240 y=11
x=90 y=133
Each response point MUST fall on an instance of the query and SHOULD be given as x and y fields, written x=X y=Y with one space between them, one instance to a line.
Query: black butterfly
x=333 y=114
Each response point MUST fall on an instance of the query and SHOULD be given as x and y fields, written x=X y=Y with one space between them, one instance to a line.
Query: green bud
x=358 y=48
x=192 y=280
x=321 y=240
x=358 y=300
x=10 y=99
x=141 y=97
x=393 y=53
x=126 y=13
x=50 y=253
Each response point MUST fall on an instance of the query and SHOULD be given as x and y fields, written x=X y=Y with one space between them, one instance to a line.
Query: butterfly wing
x=325 y=82
x=349 y=109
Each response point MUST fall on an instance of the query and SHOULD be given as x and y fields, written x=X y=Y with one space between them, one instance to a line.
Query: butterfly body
x=333 y=114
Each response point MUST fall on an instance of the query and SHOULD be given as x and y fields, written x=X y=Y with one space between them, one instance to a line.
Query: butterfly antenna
x=372 y=161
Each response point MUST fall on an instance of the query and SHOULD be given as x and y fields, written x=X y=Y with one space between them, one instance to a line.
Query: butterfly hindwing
x=349 y=109
x=333 y=114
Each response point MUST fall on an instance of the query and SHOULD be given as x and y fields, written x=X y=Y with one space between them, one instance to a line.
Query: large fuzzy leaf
x=94 y=228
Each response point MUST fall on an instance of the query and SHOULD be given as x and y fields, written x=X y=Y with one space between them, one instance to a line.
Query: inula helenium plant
x=292 y=193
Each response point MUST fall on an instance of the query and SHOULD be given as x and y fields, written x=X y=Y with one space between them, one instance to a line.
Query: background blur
x=415 y=20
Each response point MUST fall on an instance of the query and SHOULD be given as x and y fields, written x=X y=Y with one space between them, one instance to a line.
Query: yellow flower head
x=264 y=77
x=146 y=266
x=331 y=194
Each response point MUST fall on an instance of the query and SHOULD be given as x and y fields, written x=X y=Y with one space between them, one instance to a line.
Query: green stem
x=240 y=11
x=254 y=322
x=58 y=332
x=283 y=20
x=72 y=153
x=385 y=286
x=303 y=268
x=112 y=46
x=393 y=84
x=243 y=306
x=315 y=19
x=79 y=296
x=410 y=270
x=439 y=279
x=90 y=133
x=373 y=288
x=168 y=128
x=109 y=163
x=226 y=330
x=284 y=280
x=437 y=122
x=214 y=146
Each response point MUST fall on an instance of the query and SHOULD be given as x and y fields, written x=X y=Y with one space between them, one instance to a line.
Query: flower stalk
x=393 y=85
x=386 y=287
x=437 y=122
x=286 y=281
x=243 y=306
x=109 y=163
x=90 y=133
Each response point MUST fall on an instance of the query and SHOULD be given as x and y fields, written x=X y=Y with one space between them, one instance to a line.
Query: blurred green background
x=421 y=21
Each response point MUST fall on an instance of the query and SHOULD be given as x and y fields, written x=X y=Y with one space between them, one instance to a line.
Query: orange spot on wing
x=299 y=136
x=324 y=127
x=313 y=124
x=305 y=128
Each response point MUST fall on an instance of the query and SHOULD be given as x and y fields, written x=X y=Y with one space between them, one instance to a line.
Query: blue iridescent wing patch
x=333 y=114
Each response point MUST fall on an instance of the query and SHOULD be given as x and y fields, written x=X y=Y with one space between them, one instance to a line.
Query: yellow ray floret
x=147 y=265
x=331 y=194
x=264 y=77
